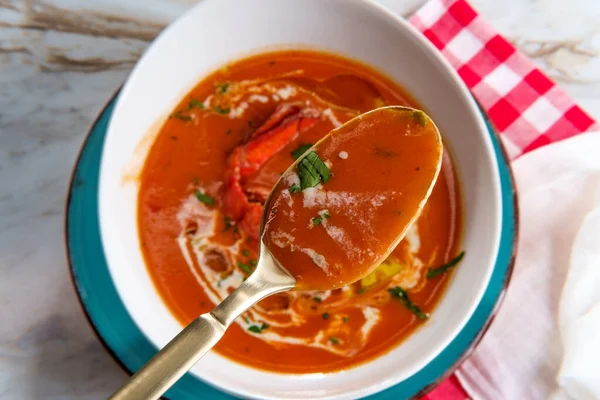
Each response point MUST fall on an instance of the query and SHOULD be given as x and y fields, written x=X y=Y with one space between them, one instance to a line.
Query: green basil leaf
x=296 y=154
x=206 y=199
x=399 y=293
x=433 y=272
x=312 y=170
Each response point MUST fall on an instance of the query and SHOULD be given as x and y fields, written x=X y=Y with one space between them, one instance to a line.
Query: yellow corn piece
x=390 y=267
x=369 y=280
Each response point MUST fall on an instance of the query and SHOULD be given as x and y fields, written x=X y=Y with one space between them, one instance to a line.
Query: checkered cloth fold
x=526 y=107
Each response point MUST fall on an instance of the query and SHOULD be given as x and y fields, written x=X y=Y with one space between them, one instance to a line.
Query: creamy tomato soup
x=203 y=187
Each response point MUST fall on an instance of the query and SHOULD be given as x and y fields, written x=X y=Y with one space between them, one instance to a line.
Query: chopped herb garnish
x=206 y=199
x=245 y=267
x=195 y=103
x=296 y=154
x=253 y=263
x=195 y=181
x=222 y=88
x=246 y=319
x=245 y=253
x=420 y=118
x=433 y=272
x=318 y=220
x=180 y=115
x=317 y=299
x=295 y=188
x=228 y=132
x=401 y=294
x=258 y=328
x=221 y=110
x=334 y=340
x=346 y=319
x=312 y=170
x=227 y=222
x=325 y=315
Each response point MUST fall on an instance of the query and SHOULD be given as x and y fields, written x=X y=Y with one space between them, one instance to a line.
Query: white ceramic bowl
x=218 y=31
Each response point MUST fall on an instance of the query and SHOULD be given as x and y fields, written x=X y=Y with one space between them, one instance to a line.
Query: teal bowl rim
x=84 y=249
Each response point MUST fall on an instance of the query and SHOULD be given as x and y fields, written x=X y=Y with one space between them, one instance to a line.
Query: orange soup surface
x=208 y=174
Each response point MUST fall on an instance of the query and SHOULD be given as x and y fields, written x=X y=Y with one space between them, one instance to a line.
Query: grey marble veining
x=60 y=60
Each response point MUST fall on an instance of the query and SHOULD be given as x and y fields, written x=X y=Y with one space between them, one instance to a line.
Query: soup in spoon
x=340 y=210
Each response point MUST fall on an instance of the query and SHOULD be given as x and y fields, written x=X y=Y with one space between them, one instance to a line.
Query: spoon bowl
x=276 y=271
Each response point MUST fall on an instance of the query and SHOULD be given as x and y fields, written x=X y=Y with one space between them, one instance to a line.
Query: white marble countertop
x=60 y=61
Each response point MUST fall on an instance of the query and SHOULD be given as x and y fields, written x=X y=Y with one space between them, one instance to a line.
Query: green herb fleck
x=245 y=267
x=296 y=154
x=317 y=299
x=401 y=294
x=312 y=170
x=318 y=220
x=253 y=263
x=222 y=88
x=334 y=340
x=221 y=110
x=245 y=253
x=325 y=315
x=246 y=319
x=295 y=188
x=204 y=198
x=195 y=103
x=346 y=319
x=433 y=272
x=195 y=181
x=180 y=115
x=227 y=222
x=420 y=118
x=258 y=328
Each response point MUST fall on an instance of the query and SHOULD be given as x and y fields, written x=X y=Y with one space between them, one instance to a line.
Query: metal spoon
x=195 y=340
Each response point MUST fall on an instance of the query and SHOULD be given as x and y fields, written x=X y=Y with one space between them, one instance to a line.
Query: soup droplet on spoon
x=333 y=216
x=339 y=211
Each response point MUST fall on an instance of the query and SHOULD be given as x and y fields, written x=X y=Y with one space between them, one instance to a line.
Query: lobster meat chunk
x=282 y=127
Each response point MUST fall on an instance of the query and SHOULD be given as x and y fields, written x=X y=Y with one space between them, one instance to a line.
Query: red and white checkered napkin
x=525 y=106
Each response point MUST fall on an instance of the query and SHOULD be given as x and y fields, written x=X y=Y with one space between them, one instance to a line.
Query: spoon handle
x=196 y=339
x=174 y=360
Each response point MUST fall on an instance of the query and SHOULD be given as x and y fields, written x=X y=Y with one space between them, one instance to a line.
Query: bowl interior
x=217 y=31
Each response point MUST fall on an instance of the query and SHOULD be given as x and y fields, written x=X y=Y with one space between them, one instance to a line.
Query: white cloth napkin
x=545 y=340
